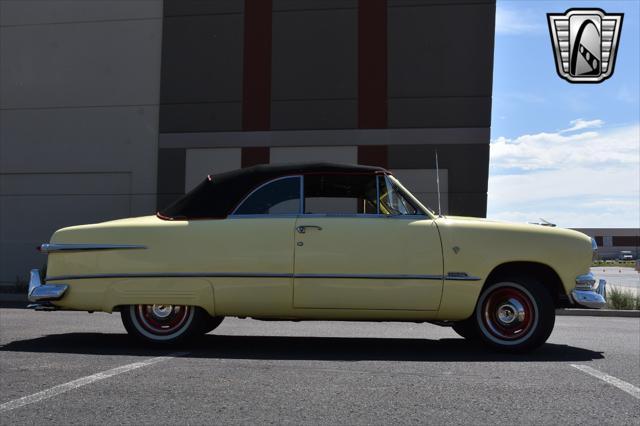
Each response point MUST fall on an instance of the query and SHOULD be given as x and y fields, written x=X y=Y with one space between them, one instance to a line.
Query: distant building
x=611 y=241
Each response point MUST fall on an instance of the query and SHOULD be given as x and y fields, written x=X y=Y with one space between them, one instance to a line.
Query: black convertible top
x=219 y=194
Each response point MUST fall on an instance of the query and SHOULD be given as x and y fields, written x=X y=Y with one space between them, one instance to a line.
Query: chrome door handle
x=303 y=228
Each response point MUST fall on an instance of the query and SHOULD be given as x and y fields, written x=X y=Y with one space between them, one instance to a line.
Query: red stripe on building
x=372 y=63
x=256 y=81
x=252 y=156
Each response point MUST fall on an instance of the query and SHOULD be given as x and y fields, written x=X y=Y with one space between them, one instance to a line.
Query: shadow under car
x=298 y=348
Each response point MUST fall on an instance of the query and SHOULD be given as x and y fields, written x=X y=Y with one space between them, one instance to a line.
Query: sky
x=567 y=153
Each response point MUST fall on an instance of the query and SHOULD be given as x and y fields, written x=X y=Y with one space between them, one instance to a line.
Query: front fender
x=476 y=247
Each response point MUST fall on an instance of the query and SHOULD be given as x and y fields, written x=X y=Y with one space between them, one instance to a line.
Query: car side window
x=392 y=201
x=281 y=196
x=340 y=194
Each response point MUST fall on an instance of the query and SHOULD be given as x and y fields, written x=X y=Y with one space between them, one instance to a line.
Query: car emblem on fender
x=585 y=43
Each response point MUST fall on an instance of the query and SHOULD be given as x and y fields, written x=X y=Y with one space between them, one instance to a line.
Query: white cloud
x=509 y=21
x=580 y=124
x=557 y=150
x=585 y=179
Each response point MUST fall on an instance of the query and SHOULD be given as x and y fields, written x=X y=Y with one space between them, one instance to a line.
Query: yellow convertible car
x=317 y=242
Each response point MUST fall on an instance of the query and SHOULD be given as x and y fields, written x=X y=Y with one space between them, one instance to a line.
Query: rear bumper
x=39 y=292
x=589 y=295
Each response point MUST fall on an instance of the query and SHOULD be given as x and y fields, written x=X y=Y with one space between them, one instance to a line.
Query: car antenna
x=438 y=184
x=547 y=223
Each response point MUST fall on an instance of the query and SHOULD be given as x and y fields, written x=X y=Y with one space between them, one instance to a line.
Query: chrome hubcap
x=508 y=313
x=162 y=320
x=162 y=311
x=511 y=311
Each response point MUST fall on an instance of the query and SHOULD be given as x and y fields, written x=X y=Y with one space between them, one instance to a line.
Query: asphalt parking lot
x=627 y=278
x=73 y=368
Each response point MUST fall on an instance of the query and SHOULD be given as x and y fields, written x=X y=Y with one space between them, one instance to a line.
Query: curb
x=598 y=313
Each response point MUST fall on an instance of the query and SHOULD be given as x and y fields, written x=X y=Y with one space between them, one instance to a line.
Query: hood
x=498 y=225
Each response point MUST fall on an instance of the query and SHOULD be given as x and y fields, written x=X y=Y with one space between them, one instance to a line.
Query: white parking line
x=65 y=387
x=620 y=384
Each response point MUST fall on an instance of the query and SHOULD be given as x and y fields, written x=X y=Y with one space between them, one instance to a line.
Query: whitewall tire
x=513 y=315
x=165 y=324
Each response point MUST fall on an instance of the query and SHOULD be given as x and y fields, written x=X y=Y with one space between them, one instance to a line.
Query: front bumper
x=39 y=292
x=589 y=295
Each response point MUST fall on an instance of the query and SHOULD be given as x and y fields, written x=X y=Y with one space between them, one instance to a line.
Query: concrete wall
x=440 y=63
x=202 y=66
x=314 y=65
x=79 y=96
x=202 y=162
x=436 y=63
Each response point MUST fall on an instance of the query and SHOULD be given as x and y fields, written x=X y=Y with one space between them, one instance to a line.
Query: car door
x=255 y=246
x=351 y=255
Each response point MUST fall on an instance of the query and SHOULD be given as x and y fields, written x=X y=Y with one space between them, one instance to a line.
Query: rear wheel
x=164 y=323
x=514 y=315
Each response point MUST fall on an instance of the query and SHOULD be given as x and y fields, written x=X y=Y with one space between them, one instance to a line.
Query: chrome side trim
x=53 y=247
x=172 y=275
x=262 y=275
x=460 y=276
x=372 y=276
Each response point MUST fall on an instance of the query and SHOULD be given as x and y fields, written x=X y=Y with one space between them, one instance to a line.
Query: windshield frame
x=407 y=194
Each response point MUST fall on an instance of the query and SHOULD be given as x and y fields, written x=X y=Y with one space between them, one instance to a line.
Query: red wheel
x=162 y=320
x=508 y=313
x=162 y=323
x=514 y=315
x=167 y=324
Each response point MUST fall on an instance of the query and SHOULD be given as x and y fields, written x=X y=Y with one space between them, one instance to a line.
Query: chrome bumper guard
x=589 y=295
x=39 y=292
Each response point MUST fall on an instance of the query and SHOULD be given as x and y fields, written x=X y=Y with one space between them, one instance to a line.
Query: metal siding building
x=115 y=108
x=611 y=241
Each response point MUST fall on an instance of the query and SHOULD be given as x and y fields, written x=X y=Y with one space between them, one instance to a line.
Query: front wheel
x=165 y=324
x=515 y=315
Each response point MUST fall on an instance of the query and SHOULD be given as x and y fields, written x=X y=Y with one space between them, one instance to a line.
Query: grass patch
x=615 y=263
x=623 y=299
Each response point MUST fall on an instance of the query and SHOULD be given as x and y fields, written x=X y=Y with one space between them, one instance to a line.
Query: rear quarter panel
x=263 y=246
